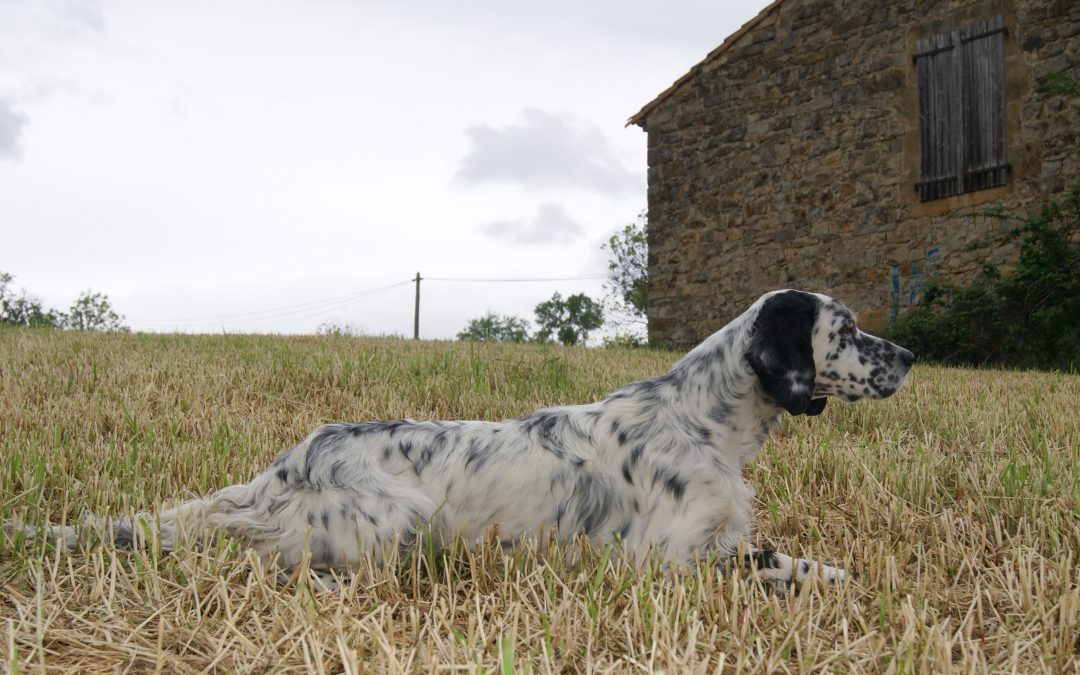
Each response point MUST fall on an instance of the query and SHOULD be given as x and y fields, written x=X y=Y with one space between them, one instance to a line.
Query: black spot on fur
x=378 y=427
x=335 y=472
x=545 y=424
x=763 y=560
x=326 y=442
x=423 y=461
x=476 y=454
x=347 y=514
x=648 y=391
x=676 y=378
x=702 y=434
x=672 y=483
x=676 y=486
x=590 y=502
x=780 y=349
x=439 y=441
x=720 y=412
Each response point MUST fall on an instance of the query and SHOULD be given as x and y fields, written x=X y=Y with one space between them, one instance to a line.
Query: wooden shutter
x=939 y=117
x=982 y=59
x=962 y=110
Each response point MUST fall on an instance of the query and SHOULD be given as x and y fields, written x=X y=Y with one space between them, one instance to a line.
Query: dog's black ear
x=781 y=353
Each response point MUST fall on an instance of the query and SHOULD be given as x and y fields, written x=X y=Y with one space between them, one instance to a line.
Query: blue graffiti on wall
x=909 y=280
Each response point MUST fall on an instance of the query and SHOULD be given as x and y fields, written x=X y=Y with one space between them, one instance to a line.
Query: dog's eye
x=847 y=329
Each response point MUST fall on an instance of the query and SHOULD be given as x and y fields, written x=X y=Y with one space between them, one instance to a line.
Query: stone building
x=854 y=147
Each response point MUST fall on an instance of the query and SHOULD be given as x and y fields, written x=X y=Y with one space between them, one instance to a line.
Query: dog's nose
x=906 y=357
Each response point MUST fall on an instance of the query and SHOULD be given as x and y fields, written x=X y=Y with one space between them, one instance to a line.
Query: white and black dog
x=656 y=466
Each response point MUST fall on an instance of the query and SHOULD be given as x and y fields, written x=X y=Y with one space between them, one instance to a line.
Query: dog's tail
x=244 y=512
x=165 y=530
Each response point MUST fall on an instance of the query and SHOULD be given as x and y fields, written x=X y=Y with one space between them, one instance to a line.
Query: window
x=962 y=110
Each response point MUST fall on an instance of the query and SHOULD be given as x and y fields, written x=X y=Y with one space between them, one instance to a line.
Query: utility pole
x=416 y=312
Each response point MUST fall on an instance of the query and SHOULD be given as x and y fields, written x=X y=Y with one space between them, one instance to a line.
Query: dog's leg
x=779 y=571
x=784 y=569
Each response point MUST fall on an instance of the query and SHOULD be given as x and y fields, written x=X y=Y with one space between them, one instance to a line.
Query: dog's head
x=805 y=347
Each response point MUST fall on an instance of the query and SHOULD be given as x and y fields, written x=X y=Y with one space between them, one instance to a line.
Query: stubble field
x=956 y=504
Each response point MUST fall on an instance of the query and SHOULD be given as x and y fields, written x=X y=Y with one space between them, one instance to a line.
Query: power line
x=323 y=311
x=581 y=277
x=302 y=308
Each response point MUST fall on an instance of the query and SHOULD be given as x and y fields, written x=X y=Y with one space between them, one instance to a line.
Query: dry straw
x=956 y=503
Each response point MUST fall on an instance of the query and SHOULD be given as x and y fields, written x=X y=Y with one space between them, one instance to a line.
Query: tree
x=24 y=309
x=495 y=328
x=570 y=320
x=628 y=271
x=339 y=329
x=627 y=286
x=93 y=311
x=90 y=311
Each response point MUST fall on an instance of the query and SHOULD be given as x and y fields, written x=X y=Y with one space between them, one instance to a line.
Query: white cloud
x=547 y=151
x=12 y=125
x=551 y=225
x=52 y=19
x=46 y=89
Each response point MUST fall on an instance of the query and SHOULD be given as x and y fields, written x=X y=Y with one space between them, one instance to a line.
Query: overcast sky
x=259 y=166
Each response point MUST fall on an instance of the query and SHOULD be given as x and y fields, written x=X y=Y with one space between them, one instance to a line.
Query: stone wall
x=789 y=159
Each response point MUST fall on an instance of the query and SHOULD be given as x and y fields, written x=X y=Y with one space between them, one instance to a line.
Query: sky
x=269 y=166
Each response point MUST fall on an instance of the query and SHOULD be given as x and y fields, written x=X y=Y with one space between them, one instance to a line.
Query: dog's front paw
x=777 y=587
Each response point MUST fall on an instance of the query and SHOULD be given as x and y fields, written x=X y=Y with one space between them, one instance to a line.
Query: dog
x=655 y=466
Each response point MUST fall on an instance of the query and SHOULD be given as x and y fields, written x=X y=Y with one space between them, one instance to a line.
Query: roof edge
x=638 y=118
